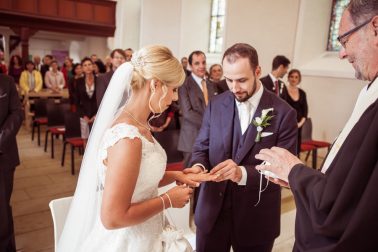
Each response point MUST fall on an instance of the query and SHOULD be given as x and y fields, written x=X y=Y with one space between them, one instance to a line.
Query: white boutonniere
x=262 y=122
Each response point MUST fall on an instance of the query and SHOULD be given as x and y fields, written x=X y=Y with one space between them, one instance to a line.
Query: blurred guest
x=67 y=70
x=108 y=63
x=215 y=77
x=166 y=120
x=86 y=93
x=94 y=57
x=129 y=54
x=37 y=63
x=297 y=99
x=31 y=79
x=72 y=84
x=11 y=117
x=3 y=66
x=54 y=78
x=184 y=63
x=118 y=57
x=46 y=67
x=15 y=68
x=100 y=66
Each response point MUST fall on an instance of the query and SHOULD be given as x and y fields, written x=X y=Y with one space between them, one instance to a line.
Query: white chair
x=180 y=218
x=59 y=209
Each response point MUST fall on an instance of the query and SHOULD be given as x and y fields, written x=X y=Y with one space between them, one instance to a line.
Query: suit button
x=237 y=156
x=220 y=194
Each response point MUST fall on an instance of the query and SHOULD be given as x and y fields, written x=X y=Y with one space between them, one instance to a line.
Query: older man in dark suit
x=11 y=117
x=236 y=125
x=102 y=81
x=194 y=96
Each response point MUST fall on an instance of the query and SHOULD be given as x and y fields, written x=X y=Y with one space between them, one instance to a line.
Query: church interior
x=304 y=31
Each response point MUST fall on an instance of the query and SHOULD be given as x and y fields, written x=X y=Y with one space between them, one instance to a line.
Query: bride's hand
x=193 y=179
x=179 y=195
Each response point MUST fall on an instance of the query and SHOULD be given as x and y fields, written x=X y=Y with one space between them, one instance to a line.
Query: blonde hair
x=156 y=62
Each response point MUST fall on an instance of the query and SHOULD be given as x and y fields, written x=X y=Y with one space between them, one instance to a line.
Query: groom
x=227 y=213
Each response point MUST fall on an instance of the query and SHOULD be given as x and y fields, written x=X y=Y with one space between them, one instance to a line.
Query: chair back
x=169 y=140
x=59 y=210
x=40 y=108
x=307 y=130
x=55 y=113
x=72 y=125
x=180 y=217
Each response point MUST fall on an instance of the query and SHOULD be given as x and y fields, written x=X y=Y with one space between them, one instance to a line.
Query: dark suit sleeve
x=188 y=113
x=287 y=139
x=11 y=125
x=200 y=152
x=100 y=89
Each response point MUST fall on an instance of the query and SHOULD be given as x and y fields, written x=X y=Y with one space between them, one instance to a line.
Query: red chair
x=72 y=137
x=308 y=141
x=310 y=149
x=55 y=122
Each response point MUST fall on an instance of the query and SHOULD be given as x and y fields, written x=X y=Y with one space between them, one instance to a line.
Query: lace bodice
x=144 y=236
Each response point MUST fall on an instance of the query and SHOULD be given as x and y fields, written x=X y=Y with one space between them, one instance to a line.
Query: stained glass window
x=338 y=7
x=218 y=9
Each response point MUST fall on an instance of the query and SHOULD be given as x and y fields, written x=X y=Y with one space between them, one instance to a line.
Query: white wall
x=267 y=25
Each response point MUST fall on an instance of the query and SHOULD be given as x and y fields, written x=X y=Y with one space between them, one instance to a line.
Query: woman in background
x=15 y=68
x=31 y=79
x=297 y=99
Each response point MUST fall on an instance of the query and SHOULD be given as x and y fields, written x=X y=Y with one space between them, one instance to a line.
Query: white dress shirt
x=198 y=80
x=365 y=99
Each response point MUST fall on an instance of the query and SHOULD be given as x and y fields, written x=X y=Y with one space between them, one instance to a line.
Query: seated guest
x=272 y=81
x=54 y=78
x=72 y=84
x=31 y=79
x=215 y=77
x=85 y=93
x=167 y=120
x=297 y=99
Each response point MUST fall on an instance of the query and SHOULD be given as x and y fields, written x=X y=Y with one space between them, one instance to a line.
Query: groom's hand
x=227 y=170
x=194 y=169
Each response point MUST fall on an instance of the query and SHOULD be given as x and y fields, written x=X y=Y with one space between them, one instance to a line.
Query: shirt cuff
x=202 y=166
x=243 y=180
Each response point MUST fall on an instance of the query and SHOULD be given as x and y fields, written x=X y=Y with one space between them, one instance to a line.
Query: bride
x=116 y=206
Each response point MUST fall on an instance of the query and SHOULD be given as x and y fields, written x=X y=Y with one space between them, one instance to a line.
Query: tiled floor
x=39 y=179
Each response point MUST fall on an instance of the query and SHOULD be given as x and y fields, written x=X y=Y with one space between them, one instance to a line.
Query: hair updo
x=156 y=62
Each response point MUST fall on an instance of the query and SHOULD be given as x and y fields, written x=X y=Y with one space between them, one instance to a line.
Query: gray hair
x=362 y=10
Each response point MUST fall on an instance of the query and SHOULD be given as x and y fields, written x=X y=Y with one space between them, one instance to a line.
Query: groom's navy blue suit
x=226 y=213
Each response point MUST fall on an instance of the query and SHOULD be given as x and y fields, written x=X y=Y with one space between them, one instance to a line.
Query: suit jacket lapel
x=227 y=120
x=250 y=135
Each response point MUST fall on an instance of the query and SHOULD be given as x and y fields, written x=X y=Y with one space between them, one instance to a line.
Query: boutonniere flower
x=262 y=122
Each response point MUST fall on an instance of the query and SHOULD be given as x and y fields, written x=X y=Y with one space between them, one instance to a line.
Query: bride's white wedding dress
x=144 y=236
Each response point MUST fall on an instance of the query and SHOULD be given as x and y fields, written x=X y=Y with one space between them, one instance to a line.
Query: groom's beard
x=244 y=95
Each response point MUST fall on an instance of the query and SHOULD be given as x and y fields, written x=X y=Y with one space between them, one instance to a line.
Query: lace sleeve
x=116 y=133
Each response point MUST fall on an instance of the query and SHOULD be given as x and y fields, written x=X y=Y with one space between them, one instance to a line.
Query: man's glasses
x=346 y=34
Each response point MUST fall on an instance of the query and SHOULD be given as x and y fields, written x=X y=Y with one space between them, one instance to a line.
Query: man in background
x=118 y=57
x=272 y=82
x=194 y=96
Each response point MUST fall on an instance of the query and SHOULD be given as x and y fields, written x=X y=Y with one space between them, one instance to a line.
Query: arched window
x=338 y=6
x=218 y=9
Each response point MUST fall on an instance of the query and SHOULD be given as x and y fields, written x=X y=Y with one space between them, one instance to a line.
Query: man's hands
x=227 y=170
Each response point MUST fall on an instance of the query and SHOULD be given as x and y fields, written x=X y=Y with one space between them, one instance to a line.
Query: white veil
x=85 y=204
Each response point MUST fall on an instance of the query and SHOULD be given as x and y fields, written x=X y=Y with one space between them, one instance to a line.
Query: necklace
x=141 y=124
